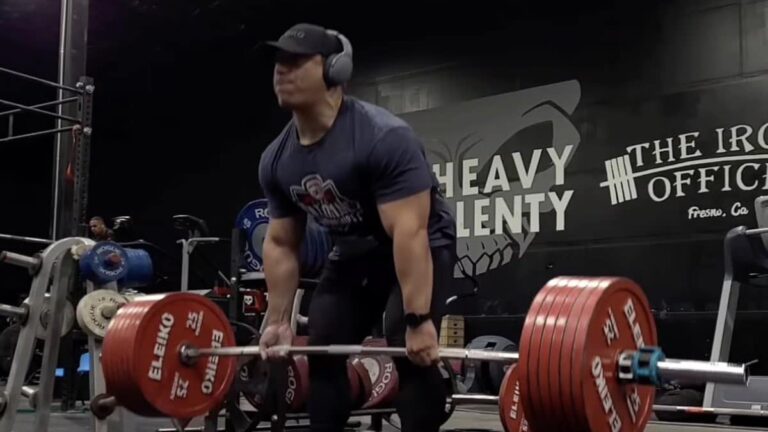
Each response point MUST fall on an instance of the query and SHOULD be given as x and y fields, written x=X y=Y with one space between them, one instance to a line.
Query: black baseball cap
x=305 y=39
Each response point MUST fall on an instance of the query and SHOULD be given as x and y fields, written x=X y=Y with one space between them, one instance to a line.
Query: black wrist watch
x=413 y=320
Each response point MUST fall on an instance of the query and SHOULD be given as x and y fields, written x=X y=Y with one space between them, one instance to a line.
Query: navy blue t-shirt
x=368 y=157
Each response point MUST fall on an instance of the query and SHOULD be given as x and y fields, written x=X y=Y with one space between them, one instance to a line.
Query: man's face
x=97 y=227
x=298 y=80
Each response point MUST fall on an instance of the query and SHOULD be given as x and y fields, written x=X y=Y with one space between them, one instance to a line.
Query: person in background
x=99 y=230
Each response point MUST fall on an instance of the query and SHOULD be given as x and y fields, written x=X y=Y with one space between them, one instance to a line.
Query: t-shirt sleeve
x=398 y=166
x=280 y=204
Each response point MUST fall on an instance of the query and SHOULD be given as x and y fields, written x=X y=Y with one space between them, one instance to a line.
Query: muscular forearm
x=281 y=268
x=413 y=263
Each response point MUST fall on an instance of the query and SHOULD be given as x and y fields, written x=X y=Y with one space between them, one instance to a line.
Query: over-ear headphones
x=338 y=66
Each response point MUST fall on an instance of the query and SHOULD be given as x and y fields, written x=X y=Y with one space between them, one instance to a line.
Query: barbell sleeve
x=13 y=311
x=31 y=394
x=703 y=371
x=12 y=258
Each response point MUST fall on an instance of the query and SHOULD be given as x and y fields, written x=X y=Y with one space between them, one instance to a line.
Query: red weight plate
x=155 y=330
x=383 y=376
x=457 y=365
x=543 y=380
x=550 y=370
x=365 y=382
x=510 y=403
x=534 y=397
x=578 y=379
x=525 y=350
x=620 y=319
x=355 y=390
x=582 y=288
x=129 y=359
x=297 y=392
x=374 y=342
x=117 y=361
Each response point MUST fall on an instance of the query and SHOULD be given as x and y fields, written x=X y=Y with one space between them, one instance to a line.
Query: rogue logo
x=498 y=160
x=680 y=166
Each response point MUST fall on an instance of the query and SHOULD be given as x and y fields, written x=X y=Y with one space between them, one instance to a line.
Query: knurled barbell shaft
x=670 y=369
x=446 y=353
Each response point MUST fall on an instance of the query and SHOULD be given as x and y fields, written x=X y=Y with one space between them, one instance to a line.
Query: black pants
x=348 y=303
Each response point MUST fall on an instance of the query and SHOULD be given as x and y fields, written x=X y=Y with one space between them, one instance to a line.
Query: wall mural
x=498 y=191
x=519 y=170
x=680 y=166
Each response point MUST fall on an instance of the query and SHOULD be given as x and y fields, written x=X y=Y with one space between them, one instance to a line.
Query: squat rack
x=72 y=148
x=72 y=145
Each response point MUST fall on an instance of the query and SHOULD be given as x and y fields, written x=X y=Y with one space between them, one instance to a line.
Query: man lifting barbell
x=361 y=172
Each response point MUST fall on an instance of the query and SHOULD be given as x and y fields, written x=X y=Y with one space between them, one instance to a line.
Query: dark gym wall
x=638 y=74
x=184 y=108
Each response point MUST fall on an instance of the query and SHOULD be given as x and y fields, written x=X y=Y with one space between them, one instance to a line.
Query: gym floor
x=482 y=418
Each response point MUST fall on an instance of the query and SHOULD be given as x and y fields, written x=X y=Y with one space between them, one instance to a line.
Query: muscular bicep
x=286 y=232
x=407 y=215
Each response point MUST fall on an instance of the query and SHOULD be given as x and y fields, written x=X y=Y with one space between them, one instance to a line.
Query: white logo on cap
x=295 y=33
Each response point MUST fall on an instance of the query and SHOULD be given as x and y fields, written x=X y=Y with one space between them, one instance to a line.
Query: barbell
x=588 y=358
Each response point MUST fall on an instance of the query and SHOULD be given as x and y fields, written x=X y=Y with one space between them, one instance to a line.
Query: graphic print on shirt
x=321 y=199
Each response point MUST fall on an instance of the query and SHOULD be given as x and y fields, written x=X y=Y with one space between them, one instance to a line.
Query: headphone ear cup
x=338 y=66
x=338 y=69
x=341 y=69
x=328 y=68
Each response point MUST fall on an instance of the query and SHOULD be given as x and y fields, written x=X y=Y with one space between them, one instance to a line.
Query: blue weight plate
x=105 y=262
x=254 y=219
x=140 y=270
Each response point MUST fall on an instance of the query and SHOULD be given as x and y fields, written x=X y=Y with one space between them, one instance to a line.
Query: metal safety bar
x=42 y=105
x=40 y=80
x=33 y=134
x=712 y=411
x=483 y=399
x=756 y=231
x=25 y=239
x=38 y=111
